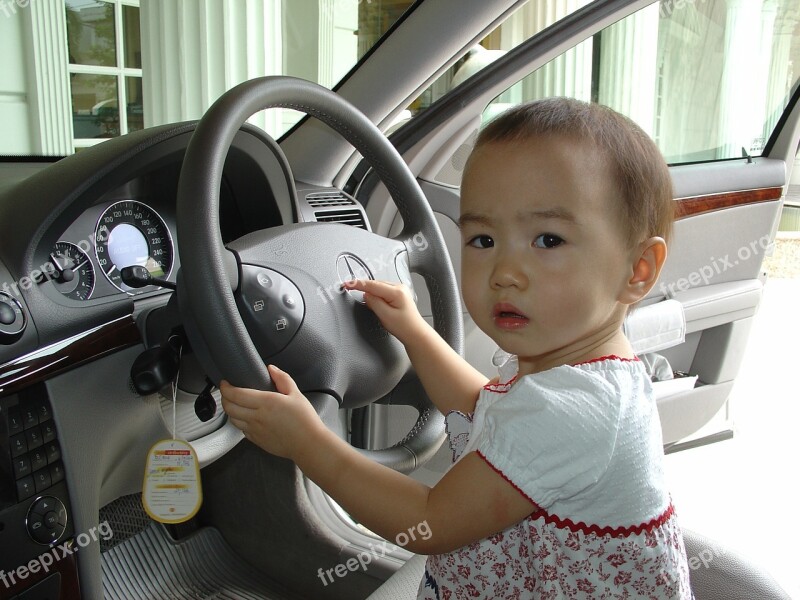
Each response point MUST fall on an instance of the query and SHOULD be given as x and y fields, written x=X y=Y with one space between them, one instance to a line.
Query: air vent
x=345 y=217
x=325 y=199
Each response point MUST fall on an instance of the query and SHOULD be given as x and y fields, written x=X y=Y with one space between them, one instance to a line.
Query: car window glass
x=706 y=79
x=71 y=64
x=528 y=20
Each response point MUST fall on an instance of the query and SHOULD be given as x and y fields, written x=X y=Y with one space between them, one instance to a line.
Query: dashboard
x=69 y=227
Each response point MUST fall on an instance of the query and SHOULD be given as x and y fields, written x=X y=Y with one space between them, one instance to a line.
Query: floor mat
x=152 y=566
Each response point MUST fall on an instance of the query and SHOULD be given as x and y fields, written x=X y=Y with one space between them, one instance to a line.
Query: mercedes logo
x=351 y=267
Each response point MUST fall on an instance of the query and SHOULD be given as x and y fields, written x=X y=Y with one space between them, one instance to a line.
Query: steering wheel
x=274 y=296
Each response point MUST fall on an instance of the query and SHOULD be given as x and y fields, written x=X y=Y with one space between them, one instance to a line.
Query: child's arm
x=471 y=502
x=450 y=381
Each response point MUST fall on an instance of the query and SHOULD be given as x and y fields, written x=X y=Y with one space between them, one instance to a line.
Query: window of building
x=83 y=71
x=105 y=69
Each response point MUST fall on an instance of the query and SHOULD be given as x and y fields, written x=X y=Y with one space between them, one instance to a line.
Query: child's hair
x=641 y=174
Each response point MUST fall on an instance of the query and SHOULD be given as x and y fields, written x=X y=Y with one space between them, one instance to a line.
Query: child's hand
x=393 y=305
x=282 y=422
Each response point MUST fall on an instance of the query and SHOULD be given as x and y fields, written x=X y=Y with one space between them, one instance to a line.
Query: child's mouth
x=508 y=316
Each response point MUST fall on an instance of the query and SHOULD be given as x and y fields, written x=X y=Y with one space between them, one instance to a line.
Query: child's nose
x=508 y=272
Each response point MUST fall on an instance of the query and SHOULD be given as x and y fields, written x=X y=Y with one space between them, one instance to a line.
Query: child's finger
x=282 y=380
x=392 y=294
x=235 y=410
x=250 y=399
x=381 y=289
x=242 y=425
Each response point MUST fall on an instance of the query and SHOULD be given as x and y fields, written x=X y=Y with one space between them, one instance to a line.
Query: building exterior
x=70 y=64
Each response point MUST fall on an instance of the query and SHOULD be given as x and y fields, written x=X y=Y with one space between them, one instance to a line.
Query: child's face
x=545 y=259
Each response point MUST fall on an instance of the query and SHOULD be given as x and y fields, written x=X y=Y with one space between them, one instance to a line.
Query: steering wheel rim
x=213 y=319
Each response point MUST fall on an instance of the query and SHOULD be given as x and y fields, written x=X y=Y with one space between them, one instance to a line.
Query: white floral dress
x=583 y=444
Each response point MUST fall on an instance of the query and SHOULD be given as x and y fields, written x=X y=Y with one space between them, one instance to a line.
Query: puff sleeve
x=552 y=435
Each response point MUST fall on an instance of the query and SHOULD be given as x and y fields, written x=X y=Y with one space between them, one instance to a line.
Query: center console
x=37 y=540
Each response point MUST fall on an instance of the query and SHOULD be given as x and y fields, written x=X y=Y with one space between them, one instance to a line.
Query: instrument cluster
x=86 y=263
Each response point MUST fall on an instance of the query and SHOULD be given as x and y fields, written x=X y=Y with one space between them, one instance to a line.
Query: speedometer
x=131 y=233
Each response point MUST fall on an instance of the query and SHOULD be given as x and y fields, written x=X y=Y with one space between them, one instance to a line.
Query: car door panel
x=713 y=269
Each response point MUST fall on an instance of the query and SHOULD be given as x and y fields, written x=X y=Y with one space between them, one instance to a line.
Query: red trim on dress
x=648 y=526
x=500 y=388
x=608 y=357
x=606 y=530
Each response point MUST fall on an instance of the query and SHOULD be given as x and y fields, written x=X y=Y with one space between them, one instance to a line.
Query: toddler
x=557 y=488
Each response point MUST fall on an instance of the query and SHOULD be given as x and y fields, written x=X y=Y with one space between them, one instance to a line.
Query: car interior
x=270 y=151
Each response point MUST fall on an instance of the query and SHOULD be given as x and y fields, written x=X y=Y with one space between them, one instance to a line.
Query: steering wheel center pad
x=341 y=346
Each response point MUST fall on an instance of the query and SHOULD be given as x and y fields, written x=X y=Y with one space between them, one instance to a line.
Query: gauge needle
x=64 y=273
x=54 y=260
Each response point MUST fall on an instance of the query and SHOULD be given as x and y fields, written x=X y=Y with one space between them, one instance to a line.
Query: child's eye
x=481 y=241
x=547 y=240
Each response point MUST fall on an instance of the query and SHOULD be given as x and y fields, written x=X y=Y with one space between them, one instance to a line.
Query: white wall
x=14 y=109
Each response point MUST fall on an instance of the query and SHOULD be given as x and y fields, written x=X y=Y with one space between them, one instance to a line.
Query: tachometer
x=131 y=233
x=73 y=271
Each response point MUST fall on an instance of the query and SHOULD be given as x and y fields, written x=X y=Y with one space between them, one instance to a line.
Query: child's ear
x=648 y=258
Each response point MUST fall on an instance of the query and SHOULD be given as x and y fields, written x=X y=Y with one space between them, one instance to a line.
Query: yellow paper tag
x=172 y=492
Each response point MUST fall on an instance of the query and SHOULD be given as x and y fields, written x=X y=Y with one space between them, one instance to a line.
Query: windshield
x=69 y=65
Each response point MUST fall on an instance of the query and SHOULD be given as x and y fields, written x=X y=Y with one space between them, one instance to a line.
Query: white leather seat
x=403 y=585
